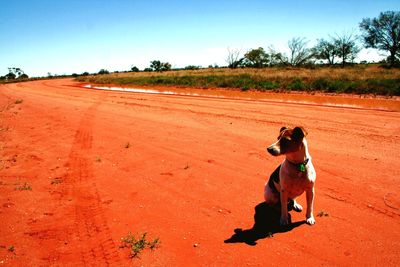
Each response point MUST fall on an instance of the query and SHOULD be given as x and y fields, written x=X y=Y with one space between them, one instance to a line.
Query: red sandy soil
x=191 y=171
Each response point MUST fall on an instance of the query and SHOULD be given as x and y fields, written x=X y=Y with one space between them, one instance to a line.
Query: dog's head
x=289 y=141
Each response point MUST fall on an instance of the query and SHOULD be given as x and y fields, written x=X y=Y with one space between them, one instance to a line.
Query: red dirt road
x=81 y=168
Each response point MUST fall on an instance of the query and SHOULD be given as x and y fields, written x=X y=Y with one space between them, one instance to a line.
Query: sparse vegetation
x=25 y=186
x=192 y=67
x=103 y=71
x=360 y=79
x=57 y=180
x=157 y=65
x=127 y=145
x=134 y=69
x=322 y=214
x=137 y=245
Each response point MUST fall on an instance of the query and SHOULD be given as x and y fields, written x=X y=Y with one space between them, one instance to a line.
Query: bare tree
x=234 y=60
x=275 y=57
x=346 y=46
x=300 y=54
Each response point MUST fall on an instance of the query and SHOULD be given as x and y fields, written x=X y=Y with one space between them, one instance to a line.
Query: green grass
x=138 y=244
x=354 y=80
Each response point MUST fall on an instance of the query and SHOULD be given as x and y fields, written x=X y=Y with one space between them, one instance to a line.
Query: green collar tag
x=302 y=168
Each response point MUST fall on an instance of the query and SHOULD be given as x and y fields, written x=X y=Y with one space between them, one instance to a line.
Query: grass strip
x=377 y=86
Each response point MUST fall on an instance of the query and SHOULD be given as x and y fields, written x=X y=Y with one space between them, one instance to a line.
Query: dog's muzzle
x=274 y=150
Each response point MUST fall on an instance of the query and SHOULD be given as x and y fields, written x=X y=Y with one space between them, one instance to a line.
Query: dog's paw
x=297 y=207
x=310 y=220
x=284 y=221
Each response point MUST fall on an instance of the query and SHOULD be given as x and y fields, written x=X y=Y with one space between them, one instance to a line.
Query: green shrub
x=335 y=86
x=384 y=86
x=267 y=85
x=320 y=84
x=297 y=85
x=137 y=244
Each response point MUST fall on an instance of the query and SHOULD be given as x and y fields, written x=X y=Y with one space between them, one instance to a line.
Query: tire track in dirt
x=90 y=230
x=217 y=114
x=265 y=117
x=85 y=238
x=362 y=204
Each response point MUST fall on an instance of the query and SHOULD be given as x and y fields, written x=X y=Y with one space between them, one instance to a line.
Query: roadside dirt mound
x=81 y=168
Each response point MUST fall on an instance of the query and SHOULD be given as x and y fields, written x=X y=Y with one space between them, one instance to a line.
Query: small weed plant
x=56 y=180
x=138 y=244
x=24 y=187
x=322 y=214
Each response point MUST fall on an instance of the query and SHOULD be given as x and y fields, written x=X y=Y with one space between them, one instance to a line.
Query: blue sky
x=67 y=36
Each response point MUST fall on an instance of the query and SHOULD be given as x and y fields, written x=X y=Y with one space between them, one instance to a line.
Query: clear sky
x=67 y=36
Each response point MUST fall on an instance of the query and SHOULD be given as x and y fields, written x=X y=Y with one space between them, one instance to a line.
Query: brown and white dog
x=295 y=175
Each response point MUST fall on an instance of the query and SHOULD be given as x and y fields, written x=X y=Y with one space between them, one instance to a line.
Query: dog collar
x=300 y=166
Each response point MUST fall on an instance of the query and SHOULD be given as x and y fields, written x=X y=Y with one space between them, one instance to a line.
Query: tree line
x=14 y=73
x=341 y=48
x=381 y=33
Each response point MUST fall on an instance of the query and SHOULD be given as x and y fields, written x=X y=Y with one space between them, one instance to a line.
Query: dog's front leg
x=310 y=206
x=284 y=211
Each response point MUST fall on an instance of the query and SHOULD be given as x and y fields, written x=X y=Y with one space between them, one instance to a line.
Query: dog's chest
x=296 y=185
x=295 y=182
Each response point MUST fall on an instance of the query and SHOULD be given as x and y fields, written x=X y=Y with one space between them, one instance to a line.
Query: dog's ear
x=281 y=131
x=283 y=128
x=299 y=133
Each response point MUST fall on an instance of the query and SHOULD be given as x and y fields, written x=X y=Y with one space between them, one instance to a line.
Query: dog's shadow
x=266 y=224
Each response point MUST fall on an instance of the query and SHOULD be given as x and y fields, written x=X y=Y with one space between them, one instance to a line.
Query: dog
x=295 y=175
